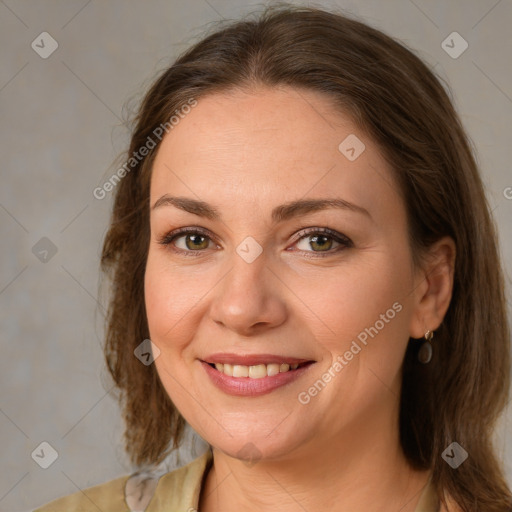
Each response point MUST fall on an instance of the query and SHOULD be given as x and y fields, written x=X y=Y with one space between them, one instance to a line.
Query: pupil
x=324 y=243
x=196 y=240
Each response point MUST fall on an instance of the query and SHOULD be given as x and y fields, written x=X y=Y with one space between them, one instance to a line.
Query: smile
x=258 y=371
x=253 y=375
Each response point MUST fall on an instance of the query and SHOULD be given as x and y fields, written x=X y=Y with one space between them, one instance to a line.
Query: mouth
x=257 y=371
x=253 y=375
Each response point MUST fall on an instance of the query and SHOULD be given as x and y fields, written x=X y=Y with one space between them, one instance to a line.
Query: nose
x=250 y=298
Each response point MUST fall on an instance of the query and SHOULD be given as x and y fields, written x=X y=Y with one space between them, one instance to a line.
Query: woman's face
x=258 y=282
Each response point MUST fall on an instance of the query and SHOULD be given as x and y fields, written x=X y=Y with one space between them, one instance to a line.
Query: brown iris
x=324 y=244
x=197 y=242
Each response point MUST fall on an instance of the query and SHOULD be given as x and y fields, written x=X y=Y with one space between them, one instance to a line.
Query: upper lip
x=253 y=359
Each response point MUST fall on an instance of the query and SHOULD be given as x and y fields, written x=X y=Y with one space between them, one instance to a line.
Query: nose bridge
x=248 y=294
x=248 y=262
x=247 y=280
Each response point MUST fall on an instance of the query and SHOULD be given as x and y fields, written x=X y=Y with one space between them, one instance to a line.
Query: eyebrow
x=280 y=213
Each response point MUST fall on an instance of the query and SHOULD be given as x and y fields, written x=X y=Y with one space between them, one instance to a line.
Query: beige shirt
x=177 y=491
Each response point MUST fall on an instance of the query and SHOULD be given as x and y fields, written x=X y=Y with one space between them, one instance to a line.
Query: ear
x=433 y=286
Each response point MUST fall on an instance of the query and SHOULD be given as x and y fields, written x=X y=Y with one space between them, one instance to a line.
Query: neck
x=367 y=473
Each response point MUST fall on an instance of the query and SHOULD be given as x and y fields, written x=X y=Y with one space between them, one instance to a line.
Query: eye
x=192 y=240
x=322 y=240
x=187 y=240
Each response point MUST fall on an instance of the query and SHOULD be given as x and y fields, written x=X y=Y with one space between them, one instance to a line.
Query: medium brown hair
x=397 y=101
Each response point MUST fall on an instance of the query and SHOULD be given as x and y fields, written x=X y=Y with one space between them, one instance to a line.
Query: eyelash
x=345 y=242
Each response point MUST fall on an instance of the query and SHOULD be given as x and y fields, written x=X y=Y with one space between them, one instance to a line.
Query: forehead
x=270 y=146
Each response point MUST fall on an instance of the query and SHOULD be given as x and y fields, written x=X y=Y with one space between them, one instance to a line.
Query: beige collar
x=429 y=502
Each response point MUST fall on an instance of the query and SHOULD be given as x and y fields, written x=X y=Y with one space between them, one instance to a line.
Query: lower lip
x=245 y=386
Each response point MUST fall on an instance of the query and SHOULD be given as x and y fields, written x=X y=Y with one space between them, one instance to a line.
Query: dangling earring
x=425 y=352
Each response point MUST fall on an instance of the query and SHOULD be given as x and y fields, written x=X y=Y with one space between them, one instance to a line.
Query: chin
x=255 y=444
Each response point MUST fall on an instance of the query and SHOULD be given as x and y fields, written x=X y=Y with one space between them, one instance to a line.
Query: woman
x=301 y=231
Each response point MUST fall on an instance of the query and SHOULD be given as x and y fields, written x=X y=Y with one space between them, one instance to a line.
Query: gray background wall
x=61 y=130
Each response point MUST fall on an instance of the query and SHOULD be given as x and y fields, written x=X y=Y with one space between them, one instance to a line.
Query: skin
x=246 y=153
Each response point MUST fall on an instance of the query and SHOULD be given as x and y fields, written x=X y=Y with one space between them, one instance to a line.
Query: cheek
x=367 y=314
x=169 y=295
x=368 y=311
x=176 y=298
x=157 y=299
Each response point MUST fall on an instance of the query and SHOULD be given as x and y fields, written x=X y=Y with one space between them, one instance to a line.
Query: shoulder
x=430 y=501
x=139 y=492
x=108 y=496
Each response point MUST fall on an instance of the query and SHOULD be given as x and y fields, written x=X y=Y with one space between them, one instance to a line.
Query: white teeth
x=257 y=371
x=240 y=371
x=272 y=369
